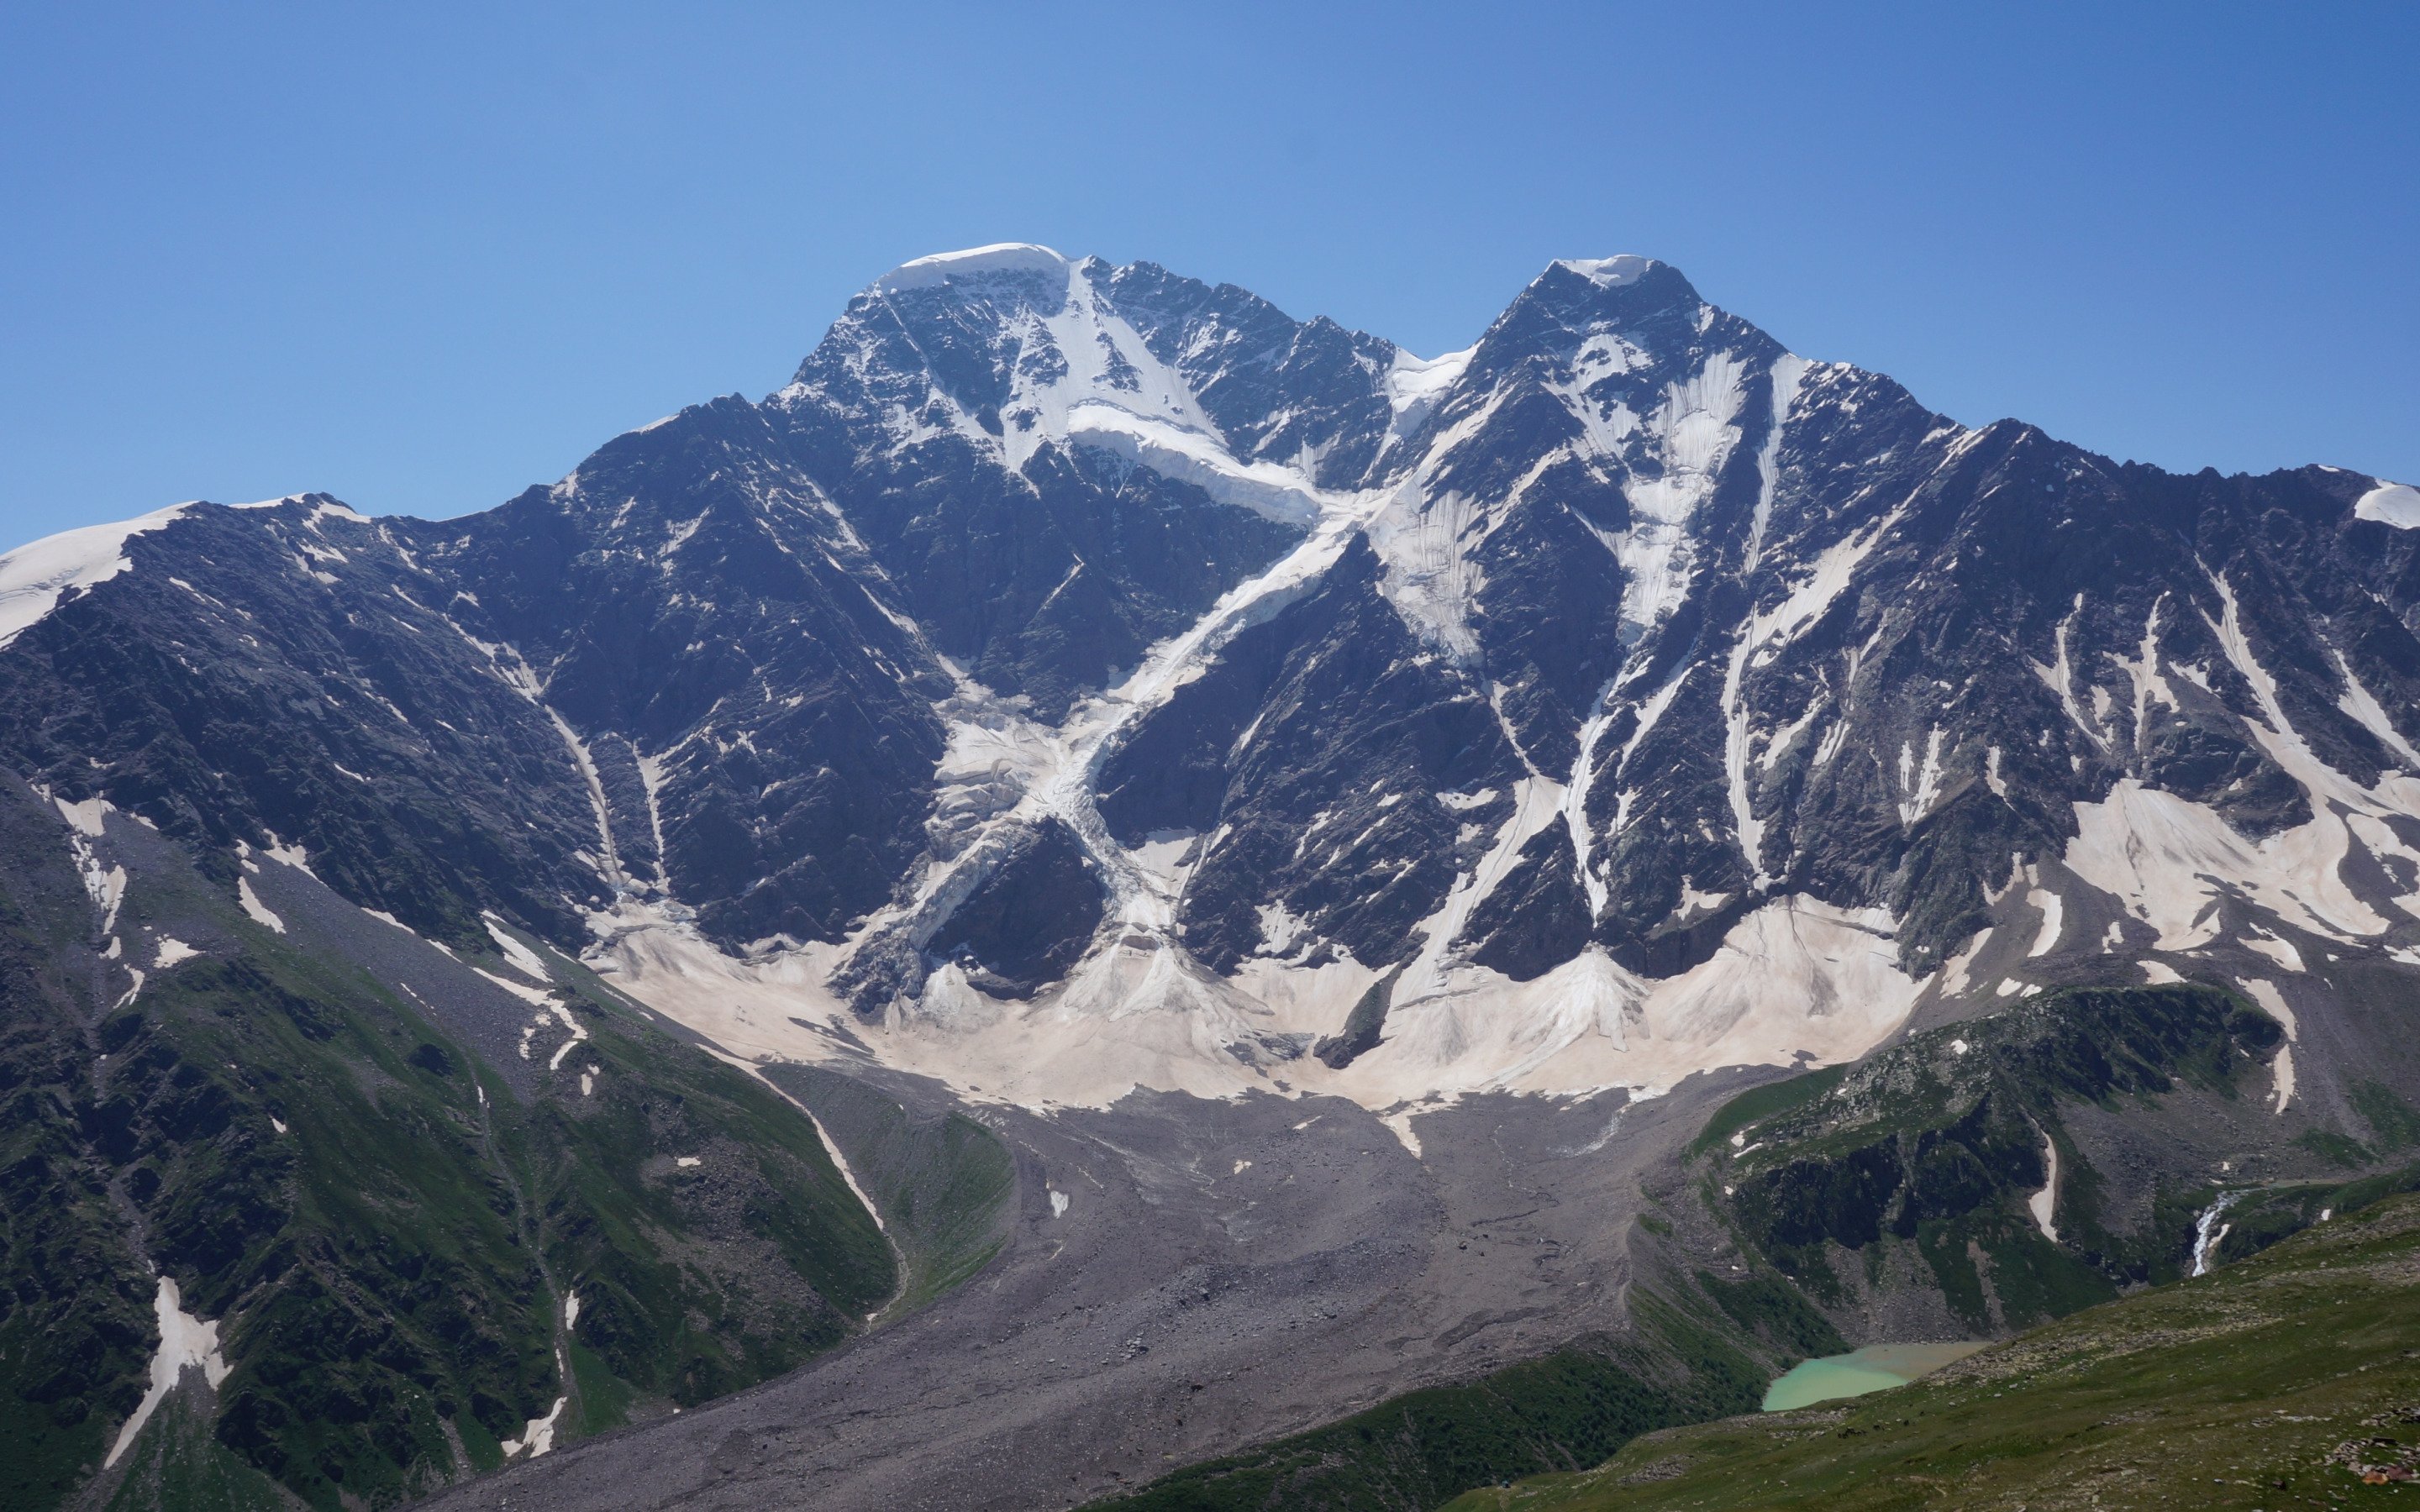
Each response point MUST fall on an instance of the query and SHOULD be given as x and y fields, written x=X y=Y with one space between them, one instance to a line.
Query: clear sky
x=422 y=255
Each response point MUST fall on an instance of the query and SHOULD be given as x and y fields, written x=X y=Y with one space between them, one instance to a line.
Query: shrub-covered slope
x=418 y=1260
x=2008 y=1162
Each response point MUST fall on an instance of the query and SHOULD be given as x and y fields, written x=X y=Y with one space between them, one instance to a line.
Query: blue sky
x=421 y=256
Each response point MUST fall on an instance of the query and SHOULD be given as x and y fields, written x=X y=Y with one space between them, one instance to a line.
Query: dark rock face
x=691 y=606
x=289 y=670
x=1031 y=918
x=1537 y=918
x=1332 y=805
x=1044 y=577
x=1363 y=1026
x=1277 y=389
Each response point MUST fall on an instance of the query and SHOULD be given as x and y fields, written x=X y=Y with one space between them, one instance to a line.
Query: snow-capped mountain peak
x=1609 y=273
x=1613 y=699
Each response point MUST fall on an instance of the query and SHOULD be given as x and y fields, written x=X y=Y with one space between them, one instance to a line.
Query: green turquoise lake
x=1875 y=1367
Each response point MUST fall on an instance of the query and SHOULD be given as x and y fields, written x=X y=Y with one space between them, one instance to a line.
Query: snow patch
x=1609 y=273
x=293 y=855
x=1415 y=386
x=2043 y=1203
x=535 y=997
x=1789 y=372
x=1953 y=976
x=2051 y=908
x=998 y=258
x=2281 y=951
x=185 y=1342
x=259 y=911
x=172 y=950
x=106 y=885
x=2169 y=861
x=1922 y=788
x=2364 y=707
x=2274 y=1002
x=1188 y=455
x=523 y=959
x=35 y=578
x=2390 y=503
x=538 y=1437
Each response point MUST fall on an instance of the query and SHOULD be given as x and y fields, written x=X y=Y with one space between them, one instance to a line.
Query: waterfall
x=2209 y=1231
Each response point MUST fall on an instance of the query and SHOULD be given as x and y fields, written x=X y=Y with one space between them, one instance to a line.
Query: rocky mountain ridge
x=1564 y=685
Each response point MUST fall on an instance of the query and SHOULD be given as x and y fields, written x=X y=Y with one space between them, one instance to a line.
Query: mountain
x=1202 y=752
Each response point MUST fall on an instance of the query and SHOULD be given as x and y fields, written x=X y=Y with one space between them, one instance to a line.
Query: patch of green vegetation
x=1759 y=1103
x=2262 y=1218
x=2392 y=1120
x=695 y=1281
x=605 y=1398
x=1953 y=1271
x=945 y=1184
x=1417 y=1450
x=368 y=1260
x=1772 y=1310
x=2261 y=1386
x=2341 y=1149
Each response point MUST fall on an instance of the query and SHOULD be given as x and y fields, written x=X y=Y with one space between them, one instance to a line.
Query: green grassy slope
x=2267 y=1385
x=945 y=1184
x=390 y=1271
